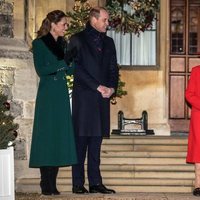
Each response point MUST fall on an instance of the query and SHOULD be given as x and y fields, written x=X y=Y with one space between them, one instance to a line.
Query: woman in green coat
x=53 y=138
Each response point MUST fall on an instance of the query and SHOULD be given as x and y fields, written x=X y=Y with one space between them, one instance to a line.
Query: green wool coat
x=53 y=137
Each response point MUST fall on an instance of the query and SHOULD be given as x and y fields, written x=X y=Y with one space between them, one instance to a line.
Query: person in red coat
x=193 y=97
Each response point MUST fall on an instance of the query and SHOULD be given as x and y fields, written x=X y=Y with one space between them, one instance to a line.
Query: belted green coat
x=53 y=137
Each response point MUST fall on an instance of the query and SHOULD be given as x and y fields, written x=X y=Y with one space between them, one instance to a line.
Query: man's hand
x=105 y=91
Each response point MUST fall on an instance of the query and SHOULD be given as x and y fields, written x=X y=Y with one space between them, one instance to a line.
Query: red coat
x=193 y=97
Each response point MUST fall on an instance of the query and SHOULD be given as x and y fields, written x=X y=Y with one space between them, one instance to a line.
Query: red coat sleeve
x=192 y=93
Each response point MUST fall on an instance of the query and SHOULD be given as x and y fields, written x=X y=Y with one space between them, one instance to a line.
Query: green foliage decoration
x=8 y=128
x=132 y=16
x=78 y=17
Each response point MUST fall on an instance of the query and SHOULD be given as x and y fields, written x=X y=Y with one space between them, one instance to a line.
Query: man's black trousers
x=90 y=145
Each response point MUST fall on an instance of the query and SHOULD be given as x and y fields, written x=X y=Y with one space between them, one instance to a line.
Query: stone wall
x=19 y=81
x=6 y=18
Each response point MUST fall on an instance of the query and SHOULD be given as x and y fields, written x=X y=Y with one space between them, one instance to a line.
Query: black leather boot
x=53 y=172
x=44 y=183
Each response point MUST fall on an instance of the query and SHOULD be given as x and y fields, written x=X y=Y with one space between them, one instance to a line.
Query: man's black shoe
x=196 y=192
x=55 y=192
x=46 y=193
x=79 y=189
x=101 y=189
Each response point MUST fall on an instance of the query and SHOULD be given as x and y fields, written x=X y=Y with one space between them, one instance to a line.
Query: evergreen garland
x=132 y=16
x=78 y=17
x=8 y=129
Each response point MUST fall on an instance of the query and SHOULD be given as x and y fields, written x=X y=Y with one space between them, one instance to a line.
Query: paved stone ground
x=118 y=196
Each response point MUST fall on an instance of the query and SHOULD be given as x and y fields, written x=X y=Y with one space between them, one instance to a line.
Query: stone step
x=123 y=189
x=127 y=154
x=149 y=143
x=169 y=168
x=138 y=174
x=117 y=196
x=157 y=189
x=119 y=181
x=118 y=167
x=145 y=140
x=120 y=185
x=145 y=158
x=139 y=161
x=134 y=164
x=144 y=147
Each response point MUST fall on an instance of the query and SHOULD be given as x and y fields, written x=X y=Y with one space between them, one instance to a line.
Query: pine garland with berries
x=8 y=129
x=133 y=16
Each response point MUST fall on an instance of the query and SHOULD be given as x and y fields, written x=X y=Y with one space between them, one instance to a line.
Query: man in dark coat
x=95 y=81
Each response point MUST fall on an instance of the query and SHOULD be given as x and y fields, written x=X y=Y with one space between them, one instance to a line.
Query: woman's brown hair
x=52 y=17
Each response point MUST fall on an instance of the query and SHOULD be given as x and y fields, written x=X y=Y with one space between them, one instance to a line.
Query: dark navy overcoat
x=90 y=111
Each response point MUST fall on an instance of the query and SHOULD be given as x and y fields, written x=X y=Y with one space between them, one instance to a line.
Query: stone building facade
x=18 y=79
x=19 y=20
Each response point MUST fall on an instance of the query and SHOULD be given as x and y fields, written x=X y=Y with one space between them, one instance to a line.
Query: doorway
x=184 y=54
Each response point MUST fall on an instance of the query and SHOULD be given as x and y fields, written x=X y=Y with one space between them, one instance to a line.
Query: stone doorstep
x=117 y=196
x=145 y=147
x=169 y=140
x=141 y=174
x=148 y=166
x=118 y=188
x=142 y=167
x=139 y=161
x=63 y=182
x=144 y=154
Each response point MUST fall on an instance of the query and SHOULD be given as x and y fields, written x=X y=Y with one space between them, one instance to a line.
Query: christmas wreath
x=133 y=16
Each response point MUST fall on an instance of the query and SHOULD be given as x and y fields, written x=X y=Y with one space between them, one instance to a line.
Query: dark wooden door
x=184 y=54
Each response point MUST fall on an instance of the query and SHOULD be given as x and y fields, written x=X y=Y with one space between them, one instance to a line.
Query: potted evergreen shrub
x=8 y=134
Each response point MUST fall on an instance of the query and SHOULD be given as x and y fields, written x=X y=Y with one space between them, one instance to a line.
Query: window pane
x=144 y=48
x=177 y=27
x=125 y=54
x=135 y=50
x=194 y=30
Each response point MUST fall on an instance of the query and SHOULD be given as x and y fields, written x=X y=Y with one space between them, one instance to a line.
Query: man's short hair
x=95 y=12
